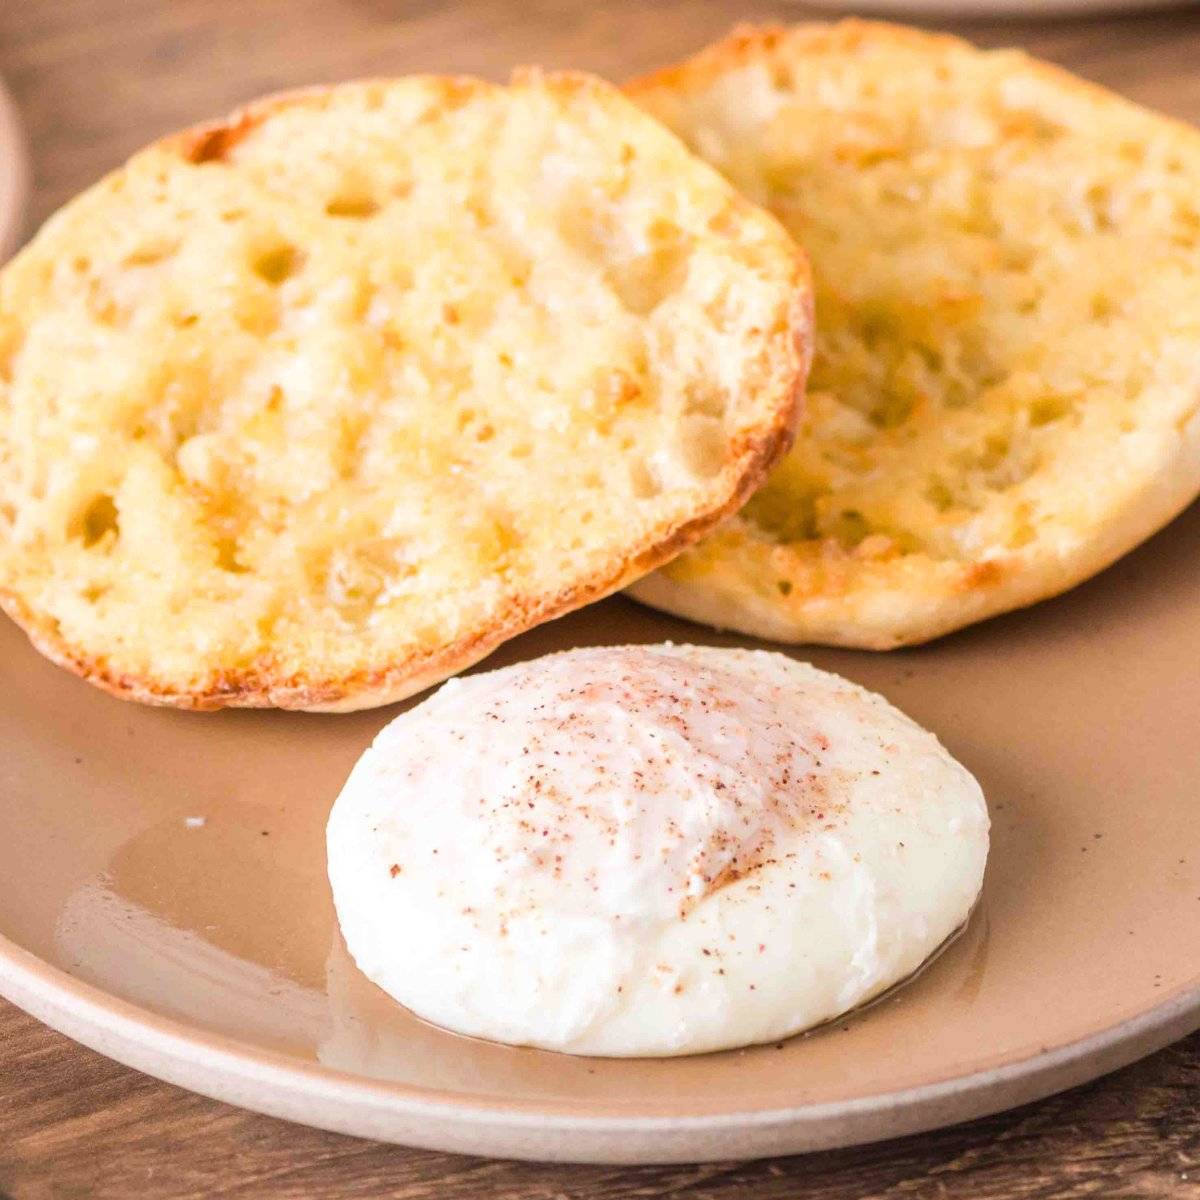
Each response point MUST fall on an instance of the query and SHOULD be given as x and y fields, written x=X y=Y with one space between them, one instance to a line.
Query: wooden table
x=98 y=78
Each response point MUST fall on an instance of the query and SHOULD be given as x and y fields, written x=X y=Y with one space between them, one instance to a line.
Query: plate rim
x=270 y=1082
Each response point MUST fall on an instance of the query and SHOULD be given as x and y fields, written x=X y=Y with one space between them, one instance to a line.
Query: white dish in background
x=984 y=10
x=14 y=175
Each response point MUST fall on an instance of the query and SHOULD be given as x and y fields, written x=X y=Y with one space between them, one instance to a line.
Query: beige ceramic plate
x=207 y=954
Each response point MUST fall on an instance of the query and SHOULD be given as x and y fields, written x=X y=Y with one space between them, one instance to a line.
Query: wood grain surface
x=96 y=79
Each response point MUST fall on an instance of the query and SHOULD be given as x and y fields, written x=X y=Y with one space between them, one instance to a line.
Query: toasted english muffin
x=317 y=406
x=1006 y=386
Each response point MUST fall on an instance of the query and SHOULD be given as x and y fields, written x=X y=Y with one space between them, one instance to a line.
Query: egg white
x=652 y=850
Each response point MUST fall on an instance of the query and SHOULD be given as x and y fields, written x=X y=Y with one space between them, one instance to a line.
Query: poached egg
x=651 y=850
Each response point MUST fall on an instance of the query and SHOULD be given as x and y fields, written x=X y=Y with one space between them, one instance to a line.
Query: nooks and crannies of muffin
x=1006 y=390
x=315 y=407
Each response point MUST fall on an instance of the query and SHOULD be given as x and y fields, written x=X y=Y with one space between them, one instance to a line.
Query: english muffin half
x=316 y=406
x=1006 y=387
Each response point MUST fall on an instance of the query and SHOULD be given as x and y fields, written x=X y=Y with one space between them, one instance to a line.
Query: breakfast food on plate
x=315 y=407
x=1006 y=390
x=651 y=850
